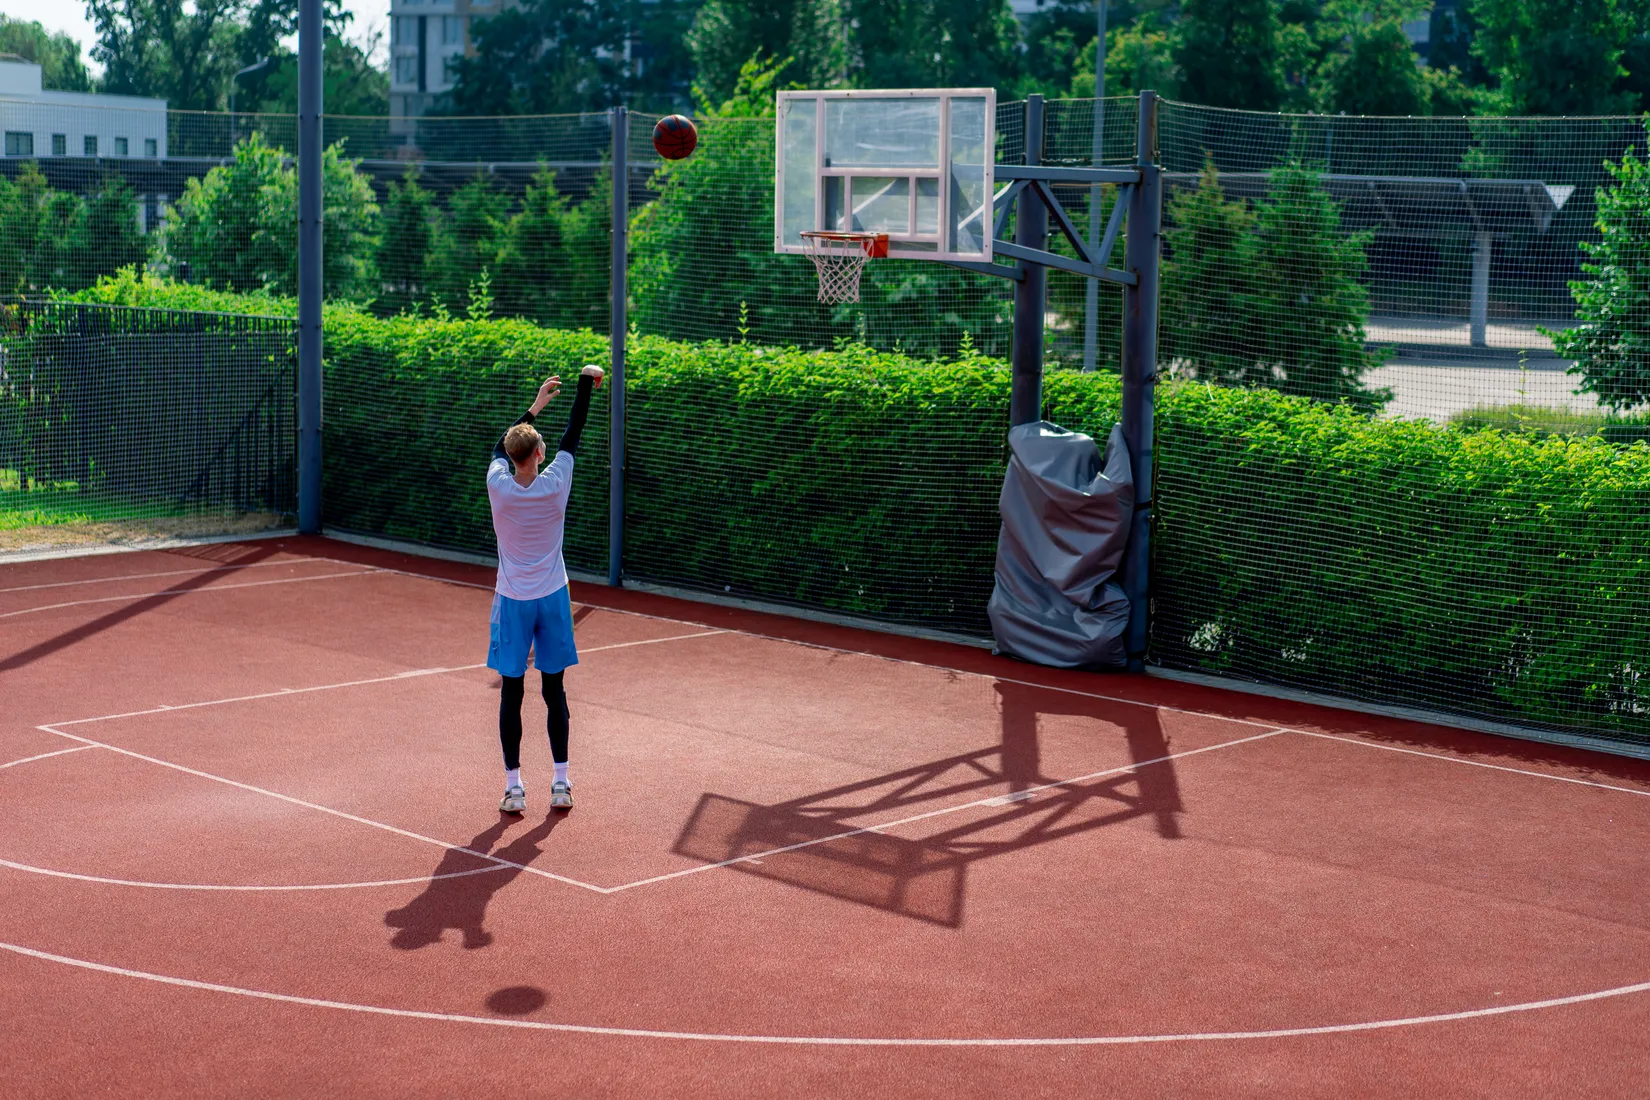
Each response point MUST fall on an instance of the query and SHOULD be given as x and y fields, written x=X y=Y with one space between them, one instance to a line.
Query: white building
x=40 y=124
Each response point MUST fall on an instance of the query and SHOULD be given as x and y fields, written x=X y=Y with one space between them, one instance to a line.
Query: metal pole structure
x=309 y=267
x=618 y=325
x=1025 y=402
x=1091 y=288
x=1140 y=372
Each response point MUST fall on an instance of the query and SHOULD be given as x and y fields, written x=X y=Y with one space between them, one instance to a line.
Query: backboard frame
x=909 y=239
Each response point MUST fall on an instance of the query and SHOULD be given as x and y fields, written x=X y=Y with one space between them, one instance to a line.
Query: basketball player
x=531 y=608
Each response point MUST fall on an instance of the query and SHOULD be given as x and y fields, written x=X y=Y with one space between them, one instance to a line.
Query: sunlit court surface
x=249 y=846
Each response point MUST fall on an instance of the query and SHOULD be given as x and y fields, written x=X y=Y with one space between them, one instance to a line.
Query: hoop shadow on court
x=457 y=894
x=816 y=841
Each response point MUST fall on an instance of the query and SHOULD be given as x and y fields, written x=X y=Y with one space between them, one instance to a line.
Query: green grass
x=43 y=504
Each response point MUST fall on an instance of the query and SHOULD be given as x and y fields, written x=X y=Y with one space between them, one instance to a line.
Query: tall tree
x=1228 y=53
x=1375 y=73
x=543 y=57
x=58 y=55
x=559 y=56
x=350 y=83
x=1556 y=57
x=187 y=53
x=934 y=43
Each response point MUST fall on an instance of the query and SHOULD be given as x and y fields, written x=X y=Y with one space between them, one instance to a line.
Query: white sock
x=561 y=772
x=512 y=778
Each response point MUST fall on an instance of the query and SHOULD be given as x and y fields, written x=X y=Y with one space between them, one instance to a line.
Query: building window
x=452 y=30
x=149 y=149
x=19 y=143
x=60 y=145
x=120 y=147
x=406 y=70
x=88 y=145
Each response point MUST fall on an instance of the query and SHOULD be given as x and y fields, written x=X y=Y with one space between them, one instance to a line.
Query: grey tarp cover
x=1066 y=514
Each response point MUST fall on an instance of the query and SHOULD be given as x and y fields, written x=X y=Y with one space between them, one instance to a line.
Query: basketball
x=675 y=136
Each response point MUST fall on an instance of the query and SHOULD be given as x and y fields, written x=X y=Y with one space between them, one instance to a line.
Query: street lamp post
x=252 y=68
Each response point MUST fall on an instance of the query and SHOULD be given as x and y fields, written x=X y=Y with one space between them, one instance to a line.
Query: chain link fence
x=1378 y=475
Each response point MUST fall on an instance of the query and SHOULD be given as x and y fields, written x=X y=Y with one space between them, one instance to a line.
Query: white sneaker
x=514 y=801
x=561 y=795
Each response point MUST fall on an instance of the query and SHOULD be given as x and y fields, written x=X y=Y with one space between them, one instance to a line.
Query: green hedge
x=1299 y=543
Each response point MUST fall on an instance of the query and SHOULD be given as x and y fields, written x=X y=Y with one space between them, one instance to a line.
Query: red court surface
x=249 y=847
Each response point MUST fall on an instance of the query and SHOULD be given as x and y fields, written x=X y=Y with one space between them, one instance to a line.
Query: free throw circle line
x=834 y=1040
x=253 y=888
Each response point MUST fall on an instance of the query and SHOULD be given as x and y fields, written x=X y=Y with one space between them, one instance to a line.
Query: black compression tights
x=509 y=717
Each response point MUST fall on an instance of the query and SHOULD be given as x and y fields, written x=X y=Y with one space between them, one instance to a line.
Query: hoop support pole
x=1025 y=402
x=1142 y=250
x=618 y=325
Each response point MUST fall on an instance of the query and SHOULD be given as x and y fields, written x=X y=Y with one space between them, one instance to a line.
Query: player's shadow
x=985 y=803
x=459 y=900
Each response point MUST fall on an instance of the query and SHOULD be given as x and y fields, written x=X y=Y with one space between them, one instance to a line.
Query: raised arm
x=546 y=394
x=589 y=379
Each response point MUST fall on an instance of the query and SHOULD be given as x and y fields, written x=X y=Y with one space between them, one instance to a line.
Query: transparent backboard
x=914 y=164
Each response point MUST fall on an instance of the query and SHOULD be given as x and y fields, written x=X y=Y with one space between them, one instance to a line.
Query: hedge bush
x=1481 y=571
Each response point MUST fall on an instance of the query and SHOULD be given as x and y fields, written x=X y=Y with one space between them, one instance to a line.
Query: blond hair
x=521 y=441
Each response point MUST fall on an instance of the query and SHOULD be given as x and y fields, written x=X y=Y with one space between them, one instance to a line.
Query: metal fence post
x=618 y=325
x=1025 y=402
x=309 y=267
x=1140 y=371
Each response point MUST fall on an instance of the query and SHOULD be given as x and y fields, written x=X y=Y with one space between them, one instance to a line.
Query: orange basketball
x=675 y=136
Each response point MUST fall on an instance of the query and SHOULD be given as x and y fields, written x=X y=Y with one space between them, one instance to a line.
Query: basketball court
x=251 y=847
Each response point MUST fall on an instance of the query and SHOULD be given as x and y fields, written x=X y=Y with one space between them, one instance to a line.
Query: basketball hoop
x=839 y=258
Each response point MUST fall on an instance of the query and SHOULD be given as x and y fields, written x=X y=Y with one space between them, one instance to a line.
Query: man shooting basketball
x=531 y=607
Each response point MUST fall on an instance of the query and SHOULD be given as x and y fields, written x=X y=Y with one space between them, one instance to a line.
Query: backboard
x=915 y=164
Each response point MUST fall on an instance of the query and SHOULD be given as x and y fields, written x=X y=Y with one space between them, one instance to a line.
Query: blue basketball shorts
x=544 y=626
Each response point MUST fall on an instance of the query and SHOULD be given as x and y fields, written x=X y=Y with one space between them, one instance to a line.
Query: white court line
x=326 y=810
x=1478 y=763
x=87 y=743
x=43 y=756
x=171 y=573
x=994 y=800
x=833 y=1040
x=187 y=592
x=408 y=675
x=249 y=889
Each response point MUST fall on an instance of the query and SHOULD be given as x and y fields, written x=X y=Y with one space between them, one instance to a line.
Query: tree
x=58 y=55
x=410 y=216
x=465 y=249
x=1138 y=57
x=57 y=240
x=1228 y=53
x=553 y=264
x=350 y=83
x=236 y=228
x=563 y=56
x=1270 y=296
x=933 y=43
x=1375 y=73
x=1555 y=57
x=726 y=34
x=1611 y=346
x=187 y=54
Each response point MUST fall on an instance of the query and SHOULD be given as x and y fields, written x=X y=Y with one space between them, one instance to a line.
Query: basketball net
x=839 y=258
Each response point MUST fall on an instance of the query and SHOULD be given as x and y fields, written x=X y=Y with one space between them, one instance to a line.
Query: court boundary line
x=164 y=573
x=44 y=756
x=186 y=592
x=250 y=888
x=831 y=1040
x=1474 y=763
